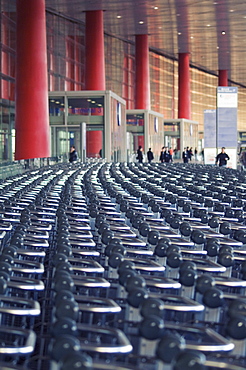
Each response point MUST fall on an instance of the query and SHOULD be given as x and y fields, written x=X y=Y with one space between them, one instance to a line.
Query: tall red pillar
x=32 y=120
x=94 y=51
x=142 y=72
x=94 y=69
x=223 y=77
x=184 y=98
x=142 y=77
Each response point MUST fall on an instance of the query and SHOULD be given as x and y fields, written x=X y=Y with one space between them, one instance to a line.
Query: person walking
x=175 y=153
x=150 y=155
x=140 y=154
x=202 y=154
x=73 y=156
x=195 y=152
x=185 y=155
x=190 y=153
x=222 y=158
x=164 y=155
x=170 y=155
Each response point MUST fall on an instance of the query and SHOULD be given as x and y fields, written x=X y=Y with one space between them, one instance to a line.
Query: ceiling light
x=88 y=99
x=156 y=7
x=118 y=16
x=70 y=107
x=192 y=37
x=141 y=22
x=179 y=33
x=208 y=25
x=57 y=102
x=223 y=33
x=93 y=101
x=52 y=100
x=231 y=10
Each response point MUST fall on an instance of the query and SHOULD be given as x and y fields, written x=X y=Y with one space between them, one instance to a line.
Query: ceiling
x=212 y=31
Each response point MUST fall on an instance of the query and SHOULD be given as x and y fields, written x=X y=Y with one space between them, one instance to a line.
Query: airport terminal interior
x=111 y=258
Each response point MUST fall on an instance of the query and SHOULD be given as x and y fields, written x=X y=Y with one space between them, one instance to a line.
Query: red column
x=32 y=120
x=93 y=143
x=94 y=51
x=142 y=72
x=94 y=69
x=142 y=77
x=184 y=99
x=223 y=77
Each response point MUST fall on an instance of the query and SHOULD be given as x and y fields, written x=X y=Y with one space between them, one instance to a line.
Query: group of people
x=188 y=154
x=140 y=155
x=221 y=159
x=166 y=155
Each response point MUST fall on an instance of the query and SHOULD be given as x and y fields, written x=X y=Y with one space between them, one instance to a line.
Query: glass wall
x=65 y=53
x=190 y=134
x=180 y=133
x=66 y=57
x=172 y=136
x=156 y=134
x=118 y=130
x=57 y=107
x=135 y=123
x=7 y=81
x=164 y=85
x=105 y=113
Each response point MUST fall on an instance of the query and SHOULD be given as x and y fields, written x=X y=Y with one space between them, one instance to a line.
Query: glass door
x=59 y=143
x=63 y=137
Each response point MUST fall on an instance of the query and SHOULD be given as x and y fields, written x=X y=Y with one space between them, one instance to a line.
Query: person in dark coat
x=140 y=154
x=73 y=156
x=222 y=158
x=164 y=155
x=186 y=155
x=190 y=154
x=167 y=155
x=195 y=152
x=150 y=155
